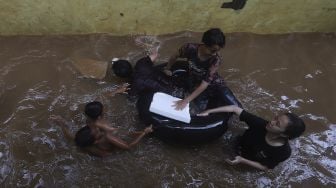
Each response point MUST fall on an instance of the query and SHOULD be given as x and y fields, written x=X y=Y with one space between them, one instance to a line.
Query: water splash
x=150 y=44
x=5 y=162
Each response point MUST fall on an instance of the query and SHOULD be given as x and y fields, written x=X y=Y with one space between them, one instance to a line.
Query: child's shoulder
x=144 y=60
x=189 y=49
x=100 y=123
x=191 y=46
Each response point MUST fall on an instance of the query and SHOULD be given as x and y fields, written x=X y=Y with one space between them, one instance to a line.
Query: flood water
x=268 y=73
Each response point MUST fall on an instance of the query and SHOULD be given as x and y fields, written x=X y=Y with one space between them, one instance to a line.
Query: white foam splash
x=310 y=101
x=294 y=103
x=314 y=117
x=264 y=182
x=308 y=76
x=284 y=97
x=5 y=163
x=9 y=118
x=280 y=69
x=45 y=140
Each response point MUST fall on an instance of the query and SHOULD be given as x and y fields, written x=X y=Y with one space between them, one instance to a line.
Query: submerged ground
x=268 y=73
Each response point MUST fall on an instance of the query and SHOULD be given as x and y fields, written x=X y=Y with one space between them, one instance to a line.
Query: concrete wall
x=123 y=17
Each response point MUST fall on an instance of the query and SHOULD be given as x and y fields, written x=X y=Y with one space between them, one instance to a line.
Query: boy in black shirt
x=265 y=144
x=148 y=78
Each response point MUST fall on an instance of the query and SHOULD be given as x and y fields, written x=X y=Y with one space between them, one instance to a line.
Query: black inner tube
x=200 y=129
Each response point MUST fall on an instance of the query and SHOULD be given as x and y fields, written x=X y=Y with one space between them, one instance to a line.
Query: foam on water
x=34 y=151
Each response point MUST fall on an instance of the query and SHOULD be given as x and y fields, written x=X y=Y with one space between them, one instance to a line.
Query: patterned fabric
x=200 y=70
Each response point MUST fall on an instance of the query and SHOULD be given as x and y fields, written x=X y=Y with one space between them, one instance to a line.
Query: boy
x=148 y=78
x=204 y=62
x=97 y=137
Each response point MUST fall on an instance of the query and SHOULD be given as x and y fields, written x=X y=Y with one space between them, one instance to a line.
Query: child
x=265 y=144
x=119 y=68
x=122 y=68
x=204 y=62
x=97 y=137
x=148 y=78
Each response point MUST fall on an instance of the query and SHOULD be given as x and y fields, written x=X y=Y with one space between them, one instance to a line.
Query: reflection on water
x=268 y=73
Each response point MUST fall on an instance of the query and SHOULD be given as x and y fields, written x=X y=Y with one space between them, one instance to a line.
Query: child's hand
x=237 y=160
x=123 y=89
x=168 y=72
x=149 y=129
x=180 y=105
x=213 y=69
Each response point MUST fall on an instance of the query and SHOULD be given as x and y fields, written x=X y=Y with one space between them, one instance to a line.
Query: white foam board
x=162 y=104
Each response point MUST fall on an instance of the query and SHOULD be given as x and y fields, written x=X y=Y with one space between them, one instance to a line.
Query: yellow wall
x=35 y=17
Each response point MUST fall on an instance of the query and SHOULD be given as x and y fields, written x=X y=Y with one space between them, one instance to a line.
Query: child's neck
x=91 y=122
x=275 y=139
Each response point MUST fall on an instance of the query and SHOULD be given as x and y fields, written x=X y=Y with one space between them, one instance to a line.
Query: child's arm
x=145 y=131
x=122 y=144
x=117 y=142
x=123 y=89
x=181 y=104
x=154 y=54
x=232 y=108
x=63 y=124
x=239 y=159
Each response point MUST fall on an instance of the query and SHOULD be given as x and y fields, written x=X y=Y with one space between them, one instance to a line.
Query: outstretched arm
x=239 y=159
x=63 y=124
x=231 y=108
x=124 y=145
x=145 y=131
x=154 y=53
x=181 y=104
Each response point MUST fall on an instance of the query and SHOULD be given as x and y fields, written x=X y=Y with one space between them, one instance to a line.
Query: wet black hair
x=295 y=127
x=214 y=36
x=122 y=68
x=94 y=109
x=84 y=137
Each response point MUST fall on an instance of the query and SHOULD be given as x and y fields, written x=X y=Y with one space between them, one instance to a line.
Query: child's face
x=278 y=124
x=212 y=50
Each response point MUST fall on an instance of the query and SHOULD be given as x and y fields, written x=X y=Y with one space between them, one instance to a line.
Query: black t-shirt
x=148 y=78
x=253 y=145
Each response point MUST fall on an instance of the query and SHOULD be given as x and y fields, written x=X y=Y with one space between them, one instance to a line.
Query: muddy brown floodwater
x=268 y=73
